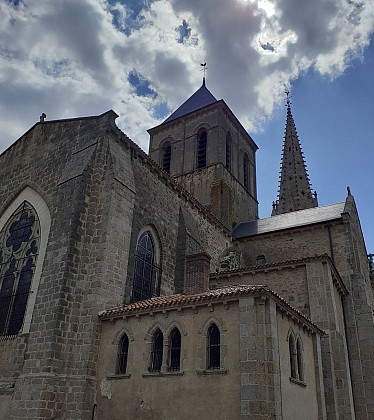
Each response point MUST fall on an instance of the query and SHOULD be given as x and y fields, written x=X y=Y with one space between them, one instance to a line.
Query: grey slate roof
x=289 y=220
x=202 y=97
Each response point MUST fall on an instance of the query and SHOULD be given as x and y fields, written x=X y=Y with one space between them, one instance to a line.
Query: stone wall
x=100 y=189
x=192 y=392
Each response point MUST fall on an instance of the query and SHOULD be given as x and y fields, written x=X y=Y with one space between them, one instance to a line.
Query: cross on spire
x=204 y=69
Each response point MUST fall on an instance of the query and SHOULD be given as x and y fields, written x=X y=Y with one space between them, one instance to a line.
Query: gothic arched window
x=175 y=349
x=246 y=170
x=202 y=139
x=146 y=270
x=214 y=347
x=123 y=350
x=228 y=150
x=292 y=354
x=166 y=157
x=299 y=357
x=19 y=249
x=157 y=351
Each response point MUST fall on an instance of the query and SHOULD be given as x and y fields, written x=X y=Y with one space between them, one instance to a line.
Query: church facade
x=137 y=286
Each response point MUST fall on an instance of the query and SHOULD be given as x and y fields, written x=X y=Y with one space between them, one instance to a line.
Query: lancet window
x=122 y=355
x=214 y=347
x=201 y=149
x=146 y=270
x=166 y=157
x=175 y=350
x=157 y=351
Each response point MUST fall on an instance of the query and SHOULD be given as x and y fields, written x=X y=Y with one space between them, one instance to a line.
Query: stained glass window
x=19 y=248
x=146 y=271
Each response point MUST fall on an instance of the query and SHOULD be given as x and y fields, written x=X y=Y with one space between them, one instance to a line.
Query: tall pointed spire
x=295 y=192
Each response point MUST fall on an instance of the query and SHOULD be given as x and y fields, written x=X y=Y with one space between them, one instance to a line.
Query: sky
x=141 y=58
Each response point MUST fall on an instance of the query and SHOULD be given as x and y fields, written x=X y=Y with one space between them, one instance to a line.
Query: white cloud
x=66 y=58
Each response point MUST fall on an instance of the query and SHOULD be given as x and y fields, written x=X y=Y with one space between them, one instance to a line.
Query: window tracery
x=146 y=269
x=19 y=249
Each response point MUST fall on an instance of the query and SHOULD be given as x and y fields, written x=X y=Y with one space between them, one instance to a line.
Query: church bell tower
x=203 y=146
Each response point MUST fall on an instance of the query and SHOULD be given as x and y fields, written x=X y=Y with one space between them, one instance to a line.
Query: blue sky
x=70 y=58
x=335 y=123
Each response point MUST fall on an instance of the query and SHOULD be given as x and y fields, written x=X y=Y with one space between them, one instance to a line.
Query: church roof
x=169 y=302
x=201 y=98
x=289 y=220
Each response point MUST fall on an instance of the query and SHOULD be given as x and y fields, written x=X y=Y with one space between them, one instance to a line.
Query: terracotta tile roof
x=180 y=300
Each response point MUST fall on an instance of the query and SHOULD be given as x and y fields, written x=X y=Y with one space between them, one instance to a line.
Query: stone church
x=137 y=286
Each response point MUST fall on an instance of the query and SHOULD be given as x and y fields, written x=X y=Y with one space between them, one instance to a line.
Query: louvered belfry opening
x=201 y=149
x=166 y=157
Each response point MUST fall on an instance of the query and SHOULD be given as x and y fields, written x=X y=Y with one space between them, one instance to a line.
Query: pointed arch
x=147 y=271
x=296 y=350
x=24 y=232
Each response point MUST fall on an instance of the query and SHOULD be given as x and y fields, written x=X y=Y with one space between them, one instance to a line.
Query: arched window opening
x=166 y=157
x=157 y=351
x=175 y=350
x=299 y=356
x=19 y=249
x=214 y=347
x=201 y=149
x=123 y=350
x=246 y=170
x=146 y=270
x=228 y=151
x=293 y=358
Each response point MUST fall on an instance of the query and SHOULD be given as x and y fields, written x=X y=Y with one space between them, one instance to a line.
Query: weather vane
x=204 y=69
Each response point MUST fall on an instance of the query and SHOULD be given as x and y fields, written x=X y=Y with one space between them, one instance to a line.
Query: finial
x=204 y=69
x=42 y=118
x=288 y=97
x=348 y=191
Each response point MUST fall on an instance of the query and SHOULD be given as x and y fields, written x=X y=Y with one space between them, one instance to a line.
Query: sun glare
x=266 y=5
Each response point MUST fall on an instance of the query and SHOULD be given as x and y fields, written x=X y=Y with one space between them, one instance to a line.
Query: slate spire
x=294 y=192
